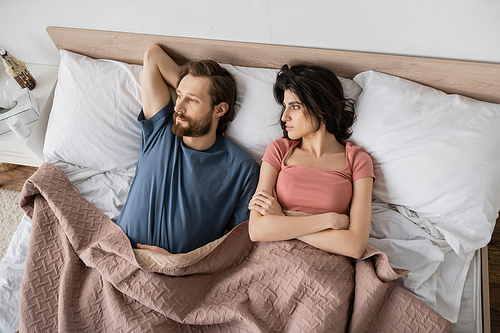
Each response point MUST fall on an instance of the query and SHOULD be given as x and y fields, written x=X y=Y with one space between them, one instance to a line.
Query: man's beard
x=196 y=128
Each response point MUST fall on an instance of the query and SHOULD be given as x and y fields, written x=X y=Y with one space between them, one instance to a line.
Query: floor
x=15 y=178
x=494 y=277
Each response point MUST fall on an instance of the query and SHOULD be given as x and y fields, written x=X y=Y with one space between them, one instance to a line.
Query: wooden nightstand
x=28 y=151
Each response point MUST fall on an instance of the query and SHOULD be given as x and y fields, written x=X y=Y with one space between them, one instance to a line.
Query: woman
x=313 y=169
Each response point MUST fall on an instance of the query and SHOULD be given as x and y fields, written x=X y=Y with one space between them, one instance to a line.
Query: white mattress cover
x=470 y=318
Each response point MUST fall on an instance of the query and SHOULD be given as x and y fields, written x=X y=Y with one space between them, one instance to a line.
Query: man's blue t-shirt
x=182 y=198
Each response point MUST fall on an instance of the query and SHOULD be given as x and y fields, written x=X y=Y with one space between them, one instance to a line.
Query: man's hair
x=321 y=92
x=222 y=86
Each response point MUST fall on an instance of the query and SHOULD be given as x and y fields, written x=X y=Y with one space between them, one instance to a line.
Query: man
x=191 y=182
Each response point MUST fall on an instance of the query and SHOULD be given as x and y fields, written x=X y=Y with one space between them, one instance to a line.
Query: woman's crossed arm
x=332 y=232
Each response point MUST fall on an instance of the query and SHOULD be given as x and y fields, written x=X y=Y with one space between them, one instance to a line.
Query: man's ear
x=221 y=109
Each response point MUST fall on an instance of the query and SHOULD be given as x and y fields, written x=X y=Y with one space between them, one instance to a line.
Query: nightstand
x=28 y=151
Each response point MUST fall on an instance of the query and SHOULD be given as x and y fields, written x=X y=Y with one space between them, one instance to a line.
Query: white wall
x=456 y=29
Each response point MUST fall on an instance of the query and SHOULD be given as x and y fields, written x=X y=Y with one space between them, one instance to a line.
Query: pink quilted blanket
x=82 y=275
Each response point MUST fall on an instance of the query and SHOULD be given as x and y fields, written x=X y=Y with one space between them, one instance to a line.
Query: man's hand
x=265 y=203
x=153 y=248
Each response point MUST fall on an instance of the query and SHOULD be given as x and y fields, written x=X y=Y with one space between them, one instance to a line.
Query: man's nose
x=180 y=106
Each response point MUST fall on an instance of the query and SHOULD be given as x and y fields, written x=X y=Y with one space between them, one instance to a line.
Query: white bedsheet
x=437 y=273
x=11 y=274
x=106 y=190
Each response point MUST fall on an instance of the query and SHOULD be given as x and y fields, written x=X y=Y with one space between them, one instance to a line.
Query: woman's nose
x=286 y=115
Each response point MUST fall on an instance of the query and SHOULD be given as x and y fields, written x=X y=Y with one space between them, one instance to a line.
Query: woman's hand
x=265 y=203
x=340 y=221
x=152 y=248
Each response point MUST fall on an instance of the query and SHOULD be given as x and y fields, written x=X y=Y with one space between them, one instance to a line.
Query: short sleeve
x=155 y=126
x=362 y=164
x=277 y=151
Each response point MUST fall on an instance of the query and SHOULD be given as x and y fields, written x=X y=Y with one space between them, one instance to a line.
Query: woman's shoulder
x=360 y=161
x=284 y=144
x=353 y=150
x=356 y=154
x=277 y=150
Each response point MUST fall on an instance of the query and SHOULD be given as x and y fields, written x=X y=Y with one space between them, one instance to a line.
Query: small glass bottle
x=17 y=70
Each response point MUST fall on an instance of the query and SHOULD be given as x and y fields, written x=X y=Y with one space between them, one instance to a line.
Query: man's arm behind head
x=159 y=72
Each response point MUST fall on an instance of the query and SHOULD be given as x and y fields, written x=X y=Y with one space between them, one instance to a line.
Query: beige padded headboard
x=473 y=79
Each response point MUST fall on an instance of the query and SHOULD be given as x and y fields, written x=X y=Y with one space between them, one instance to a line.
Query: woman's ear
x=221 y=109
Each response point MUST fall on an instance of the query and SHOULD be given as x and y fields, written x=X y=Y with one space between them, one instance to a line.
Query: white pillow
x=257 y=121
x=93 y=122
x=436 y=154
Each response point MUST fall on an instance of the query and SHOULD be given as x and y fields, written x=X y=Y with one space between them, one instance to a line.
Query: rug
x=10 y=217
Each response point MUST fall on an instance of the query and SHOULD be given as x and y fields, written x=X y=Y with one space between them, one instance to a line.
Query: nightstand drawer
x=18 y=154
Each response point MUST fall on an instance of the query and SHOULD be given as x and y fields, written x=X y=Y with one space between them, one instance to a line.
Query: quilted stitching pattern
x=83 y=276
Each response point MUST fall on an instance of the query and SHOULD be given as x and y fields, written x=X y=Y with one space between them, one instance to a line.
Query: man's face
x=194 y=115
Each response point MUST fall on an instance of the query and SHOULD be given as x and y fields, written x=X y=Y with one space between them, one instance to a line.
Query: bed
x=414 y=115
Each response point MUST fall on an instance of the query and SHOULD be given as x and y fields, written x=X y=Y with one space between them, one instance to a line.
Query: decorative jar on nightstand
x=17 y=70
x=29 y=150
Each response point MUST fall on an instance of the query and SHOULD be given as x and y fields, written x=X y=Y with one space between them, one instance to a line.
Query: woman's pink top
x=312 y=190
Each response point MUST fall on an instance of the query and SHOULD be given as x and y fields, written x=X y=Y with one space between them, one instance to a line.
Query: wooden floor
x=14 y=180
x=494 y=277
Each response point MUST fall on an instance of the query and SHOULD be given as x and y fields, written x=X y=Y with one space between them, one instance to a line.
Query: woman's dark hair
x=321 y=92
x=222 y=86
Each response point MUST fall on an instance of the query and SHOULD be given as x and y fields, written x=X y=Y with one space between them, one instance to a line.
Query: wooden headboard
x=473 y=79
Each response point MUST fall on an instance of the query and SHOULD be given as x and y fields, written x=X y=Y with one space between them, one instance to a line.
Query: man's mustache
x=181 y=116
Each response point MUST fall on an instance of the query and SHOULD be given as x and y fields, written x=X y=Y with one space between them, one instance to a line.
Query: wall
x=455 y=29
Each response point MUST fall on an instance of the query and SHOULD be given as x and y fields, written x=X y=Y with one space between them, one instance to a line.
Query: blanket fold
x=82 y=275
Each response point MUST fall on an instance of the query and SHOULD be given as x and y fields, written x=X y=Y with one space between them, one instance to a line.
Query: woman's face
x=299 y=123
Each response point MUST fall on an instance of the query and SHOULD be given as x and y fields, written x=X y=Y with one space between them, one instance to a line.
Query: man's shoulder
x=238 y=153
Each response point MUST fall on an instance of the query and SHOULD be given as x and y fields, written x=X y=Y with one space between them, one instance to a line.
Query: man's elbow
x=150 y=52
